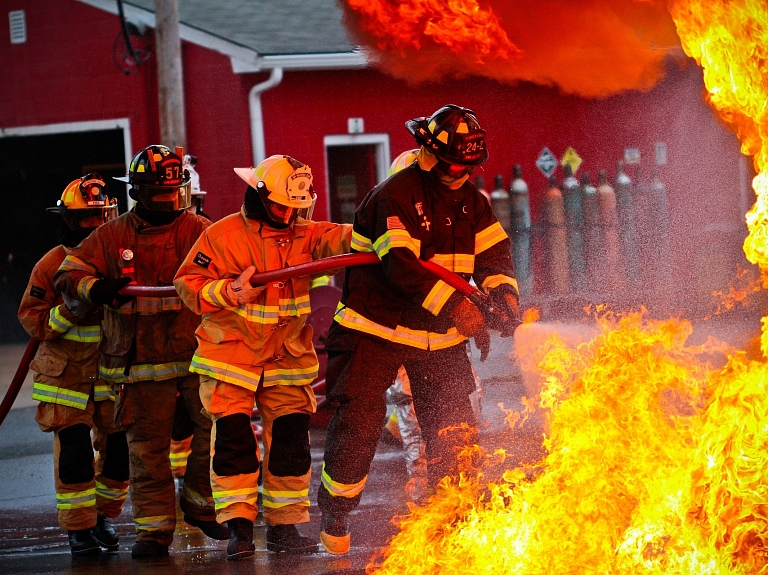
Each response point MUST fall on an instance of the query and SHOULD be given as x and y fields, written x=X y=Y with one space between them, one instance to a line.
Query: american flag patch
x=394 y=223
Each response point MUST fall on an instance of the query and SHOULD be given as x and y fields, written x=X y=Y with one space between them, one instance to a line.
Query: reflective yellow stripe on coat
x=59 y=395
x=420 y=339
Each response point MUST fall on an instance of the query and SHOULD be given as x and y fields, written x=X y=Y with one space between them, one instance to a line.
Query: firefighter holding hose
x=73 y=400
x=399 y=313
x=147 y=343
x=254 y=346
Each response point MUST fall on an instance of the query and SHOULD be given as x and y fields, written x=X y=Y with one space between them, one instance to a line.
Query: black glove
x=506 y=316
x=107 y=292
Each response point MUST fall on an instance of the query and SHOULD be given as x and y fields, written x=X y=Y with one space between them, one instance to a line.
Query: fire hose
x=497 y=319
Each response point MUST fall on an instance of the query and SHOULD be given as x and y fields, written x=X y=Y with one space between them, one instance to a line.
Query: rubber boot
x=82 y=543
x=240 y=539
x=148 y=548
x=106 y=535
x=210 y=528
x=334 y=533
x=287 y=539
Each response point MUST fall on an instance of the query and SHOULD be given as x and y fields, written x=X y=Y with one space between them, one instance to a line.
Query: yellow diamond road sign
x=571 y=158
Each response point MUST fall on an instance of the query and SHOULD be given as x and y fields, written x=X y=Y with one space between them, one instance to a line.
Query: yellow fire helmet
x=285 y=187
x=84 y=204
x=404 y=160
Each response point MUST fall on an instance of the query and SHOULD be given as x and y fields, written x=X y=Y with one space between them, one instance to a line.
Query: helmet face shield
x=165 y=198
x=306 y=213
x=89 y=218
x=278 y=213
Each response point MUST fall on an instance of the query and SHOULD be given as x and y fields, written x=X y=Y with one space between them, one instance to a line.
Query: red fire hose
x=310 y=268
x=18 y=378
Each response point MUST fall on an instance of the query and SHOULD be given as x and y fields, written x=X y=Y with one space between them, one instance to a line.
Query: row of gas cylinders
x=604 y=238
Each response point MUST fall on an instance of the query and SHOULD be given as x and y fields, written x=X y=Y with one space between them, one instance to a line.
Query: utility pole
x=170 y=87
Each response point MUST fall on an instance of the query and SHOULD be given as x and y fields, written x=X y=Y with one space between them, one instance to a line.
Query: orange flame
x=590 y=47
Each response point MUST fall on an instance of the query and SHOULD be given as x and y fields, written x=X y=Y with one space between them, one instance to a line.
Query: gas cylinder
x=500 y=204
x=556 y=242
x=626 y=216
x=660 y=248
x=520 y=216
x=573 y=222
x=480 y=185
x=591 y=233
x=612 y=270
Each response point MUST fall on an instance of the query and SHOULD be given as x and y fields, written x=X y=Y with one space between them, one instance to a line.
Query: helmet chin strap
x=427 y=161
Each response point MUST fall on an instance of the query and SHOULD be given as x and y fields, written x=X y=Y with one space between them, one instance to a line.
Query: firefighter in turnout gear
x=401 y=314
x=148 y=342
x=254 y=346
x=73 y=400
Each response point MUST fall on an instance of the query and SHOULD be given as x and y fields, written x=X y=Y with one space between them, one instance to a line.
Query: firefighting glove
x=507 y=312
x=469 y=323
x=107 y=292
x=76 y=307
x=240 y=291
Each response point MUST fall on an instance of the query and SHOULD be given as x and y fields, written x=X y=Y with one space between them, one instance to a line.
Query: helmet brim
x=121 y=179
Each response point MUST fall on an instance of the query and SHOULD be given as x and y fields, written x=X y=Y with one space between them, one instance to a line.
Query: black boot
x=82 y=543
x=286 y=539
x=240 y=539
x=148 y=548
x=105 y=534
x=210 y=528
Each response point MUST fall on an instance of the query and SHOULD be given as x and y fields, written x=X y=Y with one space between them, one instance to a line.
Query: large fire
x=578 y=45
x=656 y=449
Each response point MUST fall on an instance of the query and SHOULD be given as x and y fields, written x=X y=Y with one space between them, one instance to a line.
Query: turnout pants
x=360 y=369
x=146 y=410
x=285 y=413
x=86 y=487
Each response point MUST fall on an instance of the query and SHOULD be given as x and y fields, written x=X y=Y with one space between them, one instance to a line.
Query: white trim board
x=123 y=124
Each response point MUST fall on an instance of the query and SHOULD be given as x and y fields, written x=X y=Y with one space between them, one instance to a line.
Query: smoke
x=590 y=48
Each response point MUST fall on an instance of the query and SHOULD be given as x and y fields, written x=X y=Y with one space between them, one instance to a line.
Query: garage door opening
x=34 y=170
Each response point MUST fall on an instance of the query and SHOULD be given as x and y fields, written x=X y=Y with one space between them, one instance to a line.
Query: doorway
x=35 y=167
x=354 y=164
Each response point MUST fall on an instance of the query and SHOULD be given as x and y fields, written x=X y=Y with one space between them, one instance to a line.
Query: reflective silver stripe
x=437 y=297
x=337 y=489
x=155 y=523
x=226 y=498
x=360 y=243
x=151 y=305
x=298 y=376
x=84 y=287
x=212 y=293
x=145 y=372
x=195 y=498
x=59 y=395
x=103 y=393
x=77 y=499
x=111 y=494
x=83 y=333
x=58 y=322
x=225 y=372
x=276 y=499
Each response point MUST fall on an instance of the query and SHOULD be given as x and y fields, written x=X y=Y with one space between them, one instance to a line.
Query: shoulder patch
x=394 y=223
x=202 y=260
x=37 y=291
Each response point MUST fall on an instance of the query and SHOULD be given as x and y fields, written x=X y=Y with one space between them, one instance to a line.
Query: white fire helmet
x=404 y=160
x=285 y=187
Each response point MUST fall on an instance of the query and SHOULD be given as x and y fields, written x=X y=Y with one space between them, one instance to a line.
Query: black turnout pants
x=360 y=369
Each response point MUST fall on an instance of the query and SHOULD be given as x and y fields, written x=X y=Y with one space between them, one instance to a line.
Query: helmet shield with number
x=158 y=180
x=452 y=134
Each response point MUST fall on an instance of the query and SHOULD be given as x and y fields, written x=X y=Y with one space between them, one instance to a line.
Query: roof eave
x=244 y=60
